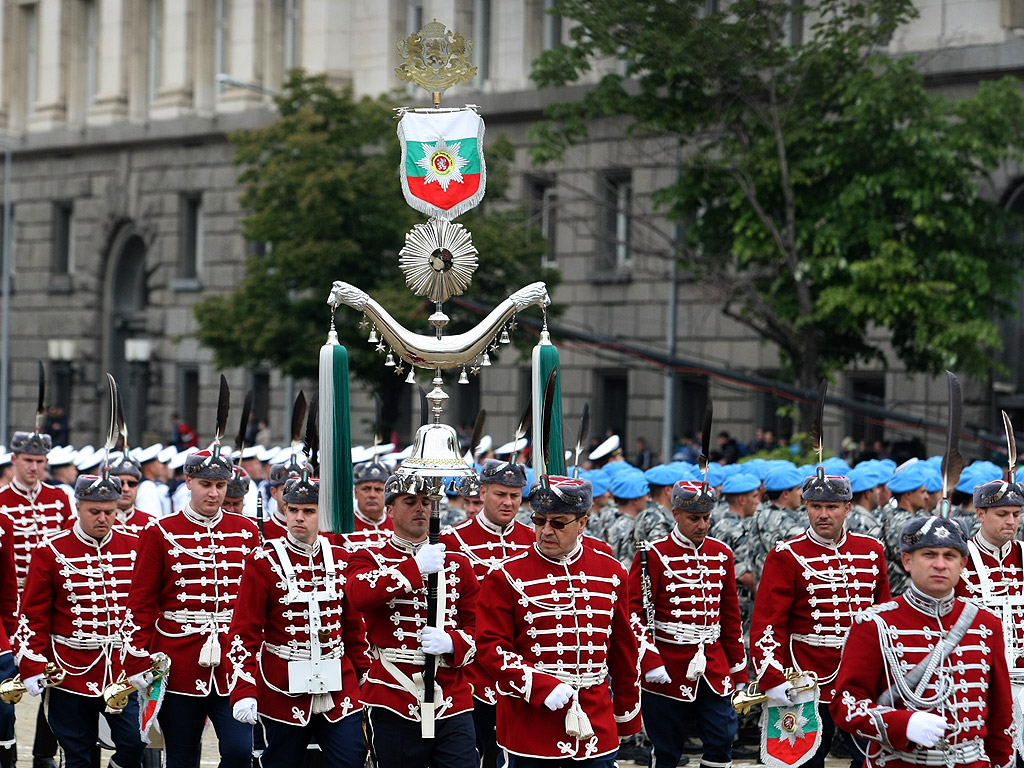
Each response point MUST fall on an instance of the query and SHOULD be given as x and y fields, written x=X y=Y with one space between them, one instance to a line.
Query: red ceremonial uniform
x=592 y=542
x=971 y=688
x=994 y=578
x=293 y=606
x=386 y=585
x=809 y=592
x=73 y=607
x=486 y=546
x=367 y=532
x=134 y=522
x=547 y=622
x=36 y=513
x=274 y=528
x=695 y=607
x=8 y=579
x=185 y=588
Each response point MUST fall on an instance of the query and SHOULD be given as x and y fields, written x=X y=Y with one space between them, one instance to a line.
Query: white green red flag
x=443 y=172
x=790 y=735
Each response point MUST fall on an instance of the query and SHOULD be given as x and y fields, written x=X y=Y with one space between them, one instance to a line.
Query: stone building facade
x=125 y=209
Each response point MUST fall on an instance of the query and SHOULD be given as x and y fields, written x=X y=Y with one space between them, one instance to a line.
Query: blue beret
x=925 y=531
x=529 y=481
x=685 y=471
x=757 y=467
x=835 y=466
x=629 y=485
x=932 y=479
x=599 y=480
x=934 y=461
x=662 y=474
x=614 y=467
x=740 y=483
x=889 y=464
x=984 y=471
x=908 y=479
x=783 y=478
x=862 y=478
x=716 y=474
x=968 y=479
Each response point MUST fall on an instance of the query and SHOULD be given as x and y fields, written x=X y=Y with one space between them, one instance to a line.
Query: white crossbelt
x=401 y=655
x=88 y=642
x=577 y=680
x=819 y=641
x=198 y=617
x=688 y=634
x=296 y=654
x=963 y=753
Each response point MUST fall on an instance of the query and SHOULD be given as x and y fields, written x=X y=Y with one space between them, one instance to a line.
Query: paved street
x=28 y=707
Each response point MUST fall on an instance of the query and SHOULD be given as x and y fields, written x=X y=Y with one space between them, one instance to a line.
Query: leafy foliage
x=322 y=188
x=827 y=193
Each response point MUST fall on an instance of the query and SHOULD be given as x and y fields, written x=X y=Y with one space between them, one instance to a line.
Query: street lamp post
x=5 y=293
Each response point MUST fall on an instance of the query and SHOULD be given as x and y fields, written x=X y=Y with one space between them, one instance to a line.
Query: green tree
x=826 y=193
x=321 y=185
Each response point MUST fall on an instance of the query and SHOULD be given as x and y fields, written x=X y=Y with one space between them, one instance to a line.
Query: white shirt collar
x=203 y=520
x=91 y=541
x=818 y=539
x=986 y=546
x=683 y=541
x=494 y=528
x=566 y=559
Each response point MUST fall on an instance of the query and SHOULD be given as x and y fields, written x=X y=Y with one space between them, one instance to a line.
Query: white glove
x=244 y=710
x=141 y=681
x=435 y=641
x=780 y=695
x=430 y=558
x=559 y=697
x=926 y=729
x=658 y=675
x=35 y=684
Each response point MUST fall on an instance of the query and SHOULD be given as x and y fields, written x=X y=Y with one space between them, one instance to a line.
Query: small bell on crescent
x=390 y=362
x=504 y=336
x=372 y=339
x=485 y=360
x=463 y=378
x=411 y=378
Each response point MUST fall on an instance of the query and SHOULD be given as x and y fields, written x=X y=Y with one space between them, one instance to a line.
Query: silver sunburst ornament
x=438 y=259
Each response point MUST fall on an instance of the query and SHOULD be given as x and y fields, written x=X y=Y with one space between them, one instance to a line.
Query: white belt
x=89 y=642
x=820 y=641
x=198 y=617
x=577 y=680
x=401 y=655
x=296 y=654
x=688 y=634
x=950 y=754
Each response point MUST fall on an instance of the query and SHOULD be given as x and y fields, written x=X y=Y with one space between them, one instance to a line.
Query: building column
x=110 y=104
x=50 y=105
x=177 y=25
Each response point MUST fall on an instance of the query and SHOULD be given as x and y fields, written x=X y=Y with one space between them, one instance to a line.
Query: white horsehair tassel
x=697 y=664
x=209 y=655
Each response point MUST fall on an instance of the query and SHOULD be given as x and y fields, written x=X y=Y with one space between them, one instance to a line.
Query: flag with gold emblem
x=790 y=735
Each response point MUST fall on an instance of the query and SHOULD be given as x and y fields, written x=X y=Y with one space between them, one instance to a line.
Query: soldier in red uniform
x=275 y=527
x=555 y=627
x=388 y=584
x=8 y=625
x=685 y=613
x=74 y=603
x=297 y=645
x=993 y=576
x=189 y=568
x=130 y=518
x=924 y=677
x=811 y=587
x=37 y=510
x=372 y=525
x=488 y=539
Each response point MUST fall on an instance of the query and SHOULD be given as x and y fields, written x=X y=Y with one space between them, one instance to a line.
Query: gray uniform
x=620 y=538
x=599 y=523
x=865 y=521
x=770 y=525
x=734 y=530
x=892 y=524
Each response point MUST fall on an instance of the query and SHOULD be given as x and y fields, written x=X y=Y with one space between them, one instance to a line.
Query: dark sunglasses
x=558 y=525
x=130 y=483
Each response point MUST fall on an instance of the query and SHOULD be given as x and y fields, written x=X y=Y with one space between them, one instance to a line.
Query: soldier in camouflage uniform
x=908 y=491
x=656 y=519
x=732 y=528
x=630 y=490
x=779 y=517
x=865 y=514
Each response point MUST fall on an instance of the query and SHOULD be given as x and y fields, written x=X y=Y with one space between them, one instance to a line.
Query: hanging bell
x=463 y=378
x=373 y=336
x=390 y=362
x=411 y=378
x=485 y=359
x=504 y=339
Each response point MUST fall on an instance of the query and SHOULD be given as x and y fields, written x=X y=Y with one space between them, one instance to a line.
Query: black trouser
x=396 y=742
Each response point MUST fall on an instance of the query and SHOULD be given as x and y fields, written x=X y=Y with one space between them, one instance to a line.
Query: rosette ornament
x=438 y=260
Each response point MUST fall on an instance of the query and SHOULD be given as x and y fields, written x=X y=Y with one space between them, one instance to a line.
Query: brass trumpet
x=116 y=694
x=13 y=689
x=745 y=698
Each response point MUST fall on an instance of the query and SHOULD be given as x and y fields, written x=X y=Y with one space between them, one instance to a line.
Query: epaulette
x=867 y=613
